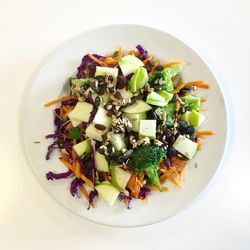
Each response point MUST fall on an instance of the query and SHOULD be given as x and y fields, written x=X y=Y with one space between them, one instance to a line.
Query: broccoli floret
x=147 y=159
x=170 y=110
x=166 y=76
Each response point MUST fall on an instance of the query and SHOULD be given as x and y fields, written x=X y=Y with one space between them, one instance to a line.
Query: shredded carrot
x=67 y=164
x=203 y=110
x=73 y=152
x=64 y=156
x=199 y=84
x=167 y=174
x=134 y=186
x=177 y=161
x=205 y=132
x=65 y=98
x=88 y=182
x=173 y=180
x=132 y=52
x=140 y=184
x=67 y=109
x=110 y=61
x=172 y=63
x=177 y=105
x=84 y=192
x=155 y=63
x=179 y=87
x=119 y=56
x=199 y=145
x=203 y=99
x=148 y=59
x=96 y=60
x=77 y=169
x=161 y=189
x=141 y=177
x=69 y=126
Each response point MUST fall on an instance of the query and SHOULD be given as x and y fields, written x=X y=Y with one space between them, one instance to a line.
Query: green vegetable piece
x=148 y=159
x=165 y=77
x=75 y=133
x=170 y=111
x=192 y=102
x=168 y=96
x=196 y=119
x=156 y=99
x=81 y=81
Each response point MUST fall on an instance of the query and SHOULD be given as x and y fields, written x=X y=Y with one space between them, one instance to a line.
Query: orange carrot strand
x=65 y=98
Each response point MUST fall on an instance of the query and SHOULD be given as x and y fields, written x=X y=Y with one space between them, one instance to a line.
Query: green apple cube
x=74 y=121
x=137 y=107
x=118 y=141
x=120 y=177
x=102 y=118
x=82 y=111
x=185 y=116
x=126 y=94
x=139 y=79
x=83 y=148
x=86 y=93
x=106 y=71
x=107 y=192
x=185 y=146
x=135 y=120
x=168 y=96
x=193 y=102
x=94 y=133
x=129 y=64
x=147 y=128
x=196 y=119
x=156 y=99
x=101 y=163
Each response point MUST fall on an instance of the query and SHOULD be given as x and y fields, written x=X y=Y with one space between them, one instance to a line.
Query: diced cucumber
x=101 y=163
x=107 y=192
x=185 y=146
x=120 y=177
x=102 y=118
x=106 y=71
x=135 y=119
x=83 y=147
x=94 y=133
x=118 y=141
x=196 y=119
x=129 y=64
x=82 y=111
x=137 y=107
x=147 y=128
x=168 y=96
x=156 y=99
x=126 y=94
x=192 y=102
x=139 y=79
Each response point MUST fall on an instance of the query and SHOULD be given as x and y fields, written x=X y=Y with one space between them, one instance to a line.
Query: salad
x=128 y=126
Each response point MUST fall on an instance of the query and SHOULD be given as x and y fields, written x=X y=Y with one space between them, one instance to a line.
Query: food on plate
x=128 y=126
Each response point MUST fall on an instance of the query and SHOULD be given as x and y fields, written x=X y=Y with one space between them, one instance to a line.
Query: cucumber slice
x=137 y=107
x=118 y=141
x=135 y=119
x=168 y=96
x=185 y=146
x=147 y=128
x=94 y=133
x=82 y=111
x=102 y=118
x=106 y=71
x=101 y=163
x=156 y=99
x=129 y=64
x=120 y=177
x=83 y=147
x=107 y=192
x=196 y=119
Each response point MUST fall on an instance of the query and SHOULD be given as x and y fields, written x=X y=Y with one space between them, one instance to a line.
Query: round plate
x=50 y=83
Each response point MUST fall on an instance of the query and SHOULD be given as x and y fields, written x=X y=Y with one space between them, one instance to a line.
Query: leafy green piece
x=81 y=81
x=75 y=133
x=148 y=159
x=166 y=76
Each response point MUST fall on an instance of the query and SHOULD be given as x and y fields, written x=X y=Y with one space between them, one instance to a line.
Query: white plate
x=49 y=83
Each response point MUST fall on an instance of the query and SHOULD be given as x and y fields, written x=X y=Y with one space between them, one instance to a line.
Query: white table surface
x=30 y=30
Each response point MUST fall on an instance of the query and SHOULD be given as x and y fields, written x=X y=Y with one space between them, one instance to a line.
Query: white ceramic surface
x=49 y=83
